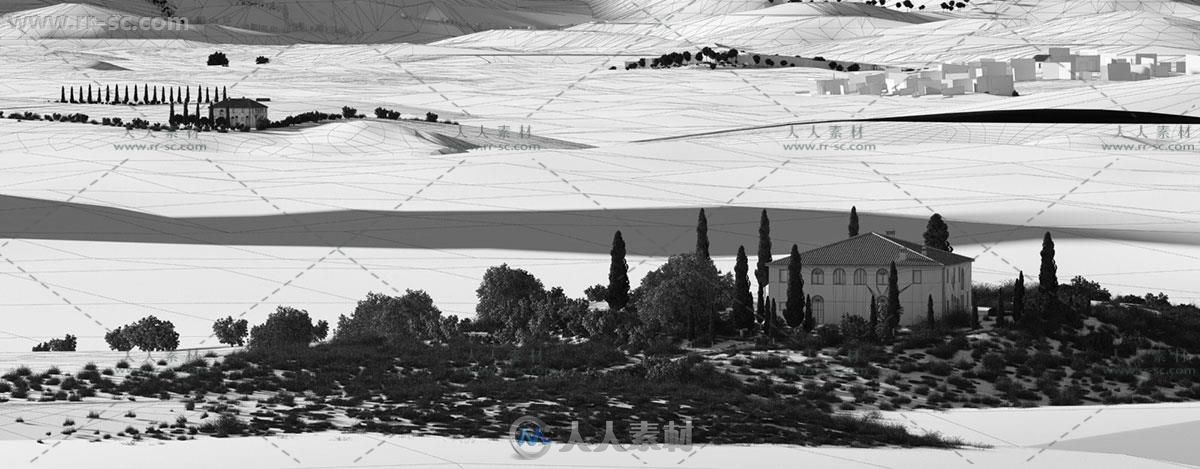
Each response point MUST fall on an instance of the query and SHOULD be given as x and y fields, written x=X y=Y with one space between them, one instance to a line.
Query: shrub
x=218 y=58
x=124 y=365
x=939 y=368
x=260 y=60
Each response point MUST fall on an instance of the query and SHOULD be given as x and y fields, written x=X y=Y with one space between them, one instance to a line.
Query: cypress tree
x=224 y=93
x=126 y=99
x=187 y=99
x=771 y=315
x=873 y=321
x=197 y=109
x=618 y=275
x=937 y=233
x=743 y=313
x=145 y=93
x=171 y=97
x=72 y=95
x=154 y=96
x=135 y=94
x=1000 y=310
x=761 y=273
x=171 y=116
x=793 y=311
x=1019 y=298
x=207 y=98
x=89 y=98
x=107 y=95
x=892 y=316
x=62 y=94
x=810 y=322
x=929 y=312
x=1048 y=284
x=702 y=236
x=853 y=222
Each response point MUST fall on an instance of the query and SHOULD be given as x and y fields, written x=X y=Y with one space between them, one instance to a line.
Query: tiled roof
x=239 y=103
x=875 y=249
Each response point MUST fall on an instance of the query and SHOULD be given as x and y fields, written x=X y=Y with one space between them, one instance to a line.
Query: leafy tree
x=702 y=236
x=534 y=320
x=286 y=329
x=892 y=314
x=502 y=287
x=793 y=311
x=743 y=314
x=65 y=344
x=761 y=272
x=118 y=340
x=148 y=334
x=678 y=297
x=218 y=58
x=853 y=228
x=597 y=292
x=618 y=275
x=937 y=234
x=1086 y=289
x=231 y=332
x=409 y=317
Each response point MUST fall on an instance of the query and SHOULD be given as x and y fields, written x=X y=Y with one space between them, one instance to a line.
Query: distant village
x=998 y=77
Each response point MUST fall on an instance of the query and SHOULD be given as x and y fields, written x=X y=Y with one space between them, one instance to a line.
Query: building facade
x=841 y=278
x=238 y=111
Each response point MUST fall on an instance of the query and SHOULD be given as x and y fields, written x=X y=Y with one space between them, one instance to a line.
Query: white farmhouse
x=238 y=111
x=842 y=277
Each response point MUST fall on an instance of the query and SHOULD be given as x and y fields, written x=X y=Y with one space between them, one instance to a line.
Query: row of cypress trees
x=147 y=95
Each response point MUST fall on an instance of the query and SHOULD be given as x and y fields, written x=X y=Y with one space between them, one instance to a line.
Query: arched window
x=881 y=277
x=860 y=277
x=818 y=306
x=839 y=277
x=818 y=277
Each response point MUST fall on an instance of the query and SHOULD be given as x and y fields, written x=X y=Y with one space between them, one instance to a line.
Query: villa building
x=238 y=111
x=841 y=278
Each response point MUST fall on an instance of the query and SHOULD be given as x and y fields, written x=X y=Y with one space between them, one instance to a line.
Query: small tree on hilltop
x=230 y=332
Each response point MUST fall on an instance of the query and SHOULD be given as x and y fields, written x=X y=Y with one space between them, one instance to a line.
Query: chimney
x=890 y=232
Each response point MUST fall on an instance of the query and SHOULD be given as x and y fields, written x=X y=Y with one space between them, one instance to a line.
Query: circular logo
x=528 y=437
